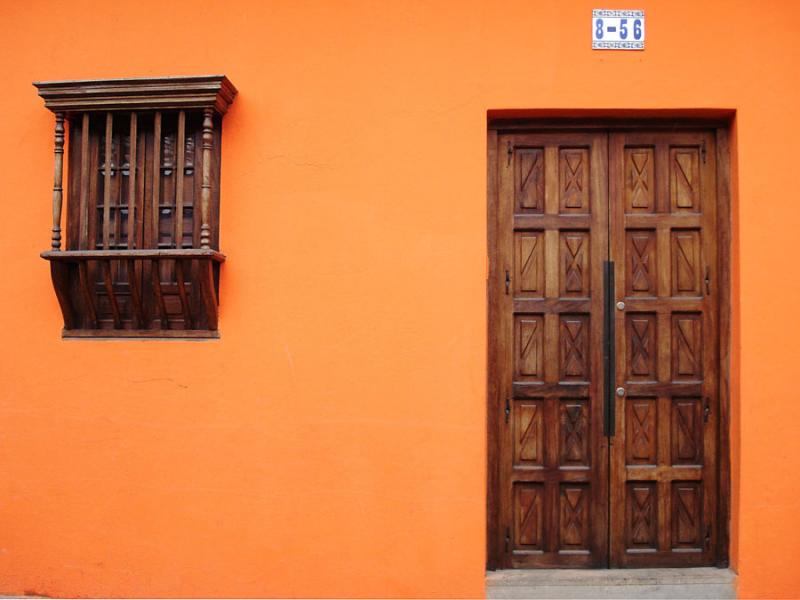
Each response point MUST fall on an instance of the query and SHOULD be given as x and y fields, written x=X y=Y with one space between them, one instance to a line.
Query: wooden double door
x=604 y=349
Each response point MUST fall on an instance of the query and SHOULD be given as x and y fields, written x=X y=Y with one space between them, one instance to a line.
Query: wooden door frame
x=495 y=404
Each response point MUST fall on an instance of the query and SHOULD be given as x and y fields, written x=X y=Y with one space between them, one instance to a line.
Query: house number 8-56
x=601 y=29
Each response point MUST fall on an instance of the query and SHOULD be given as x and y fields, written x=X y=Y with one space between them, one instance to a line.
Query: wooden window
x=141 y=256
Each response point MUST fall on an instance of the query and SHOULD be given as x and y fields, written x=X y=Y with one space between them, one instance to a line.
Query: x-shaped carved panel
x=573 y=172
x=640 y=347
x=641 y=268
x=686 y=446
x=638 y=172
x=641 y=429
x=573 y=263
x=686 y=514
x=574 y=348
x=574 y=166
x=573 y=431
x=641 y=515
x=572 y=514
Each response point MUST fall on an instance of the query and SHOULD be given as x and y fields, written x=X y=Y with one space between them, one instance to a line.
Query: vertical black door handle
x=609 y=351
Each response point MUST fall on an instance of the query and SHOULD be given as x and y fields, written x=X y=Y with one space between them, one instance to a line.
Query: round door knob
x=620 y=391
x=620 y=305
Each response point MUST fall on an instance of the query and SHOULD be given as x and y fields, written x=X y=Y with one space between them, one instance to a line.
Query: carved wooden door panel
x=664 y=246
x=552 y=241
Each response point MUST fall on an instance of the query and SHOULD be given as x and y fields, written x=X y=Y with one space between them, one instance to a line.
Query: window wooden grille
x=142 y=252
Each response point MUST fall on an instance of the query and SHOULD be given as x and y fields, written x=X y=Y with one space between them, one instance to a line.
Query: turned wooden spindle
x=108 y=169
x=58 y=176
x=83 y=235
x=132 y=163
x=205 y=196
x=156 y=177
x=179 y=173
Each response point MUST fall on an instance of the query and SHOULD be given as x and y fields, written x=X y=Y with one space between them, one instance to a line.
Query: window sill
x=139 y=334
x=80 y=255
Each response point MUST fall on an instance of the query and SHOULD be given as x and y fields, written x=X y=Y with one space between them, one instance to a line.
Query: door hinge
x=703 y=151
x=706 y=409
x=508 y=281
x=508 y=539
x=708 y=281
x=509 y=152
x=508 y=409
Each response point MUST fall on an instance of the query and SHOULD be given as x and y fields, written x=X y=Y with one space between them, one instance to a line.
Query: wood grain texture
x=494 y=543
x=724 y=293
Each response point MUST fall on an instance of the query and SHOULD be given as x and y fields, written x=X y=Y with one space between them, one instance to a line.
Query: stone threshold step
x=701 y=583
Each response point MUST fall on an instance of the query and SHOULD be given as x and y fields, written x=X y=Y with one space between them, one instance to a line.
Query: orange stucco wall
x=332 y=443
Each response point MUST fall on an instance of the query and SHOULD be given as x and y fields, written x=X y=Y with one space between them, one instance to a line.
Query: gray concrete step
x=700 y=583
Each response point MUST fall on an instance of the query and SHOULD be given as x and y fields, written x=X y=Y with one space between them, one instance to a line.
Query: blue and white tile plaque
x=617 y=29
